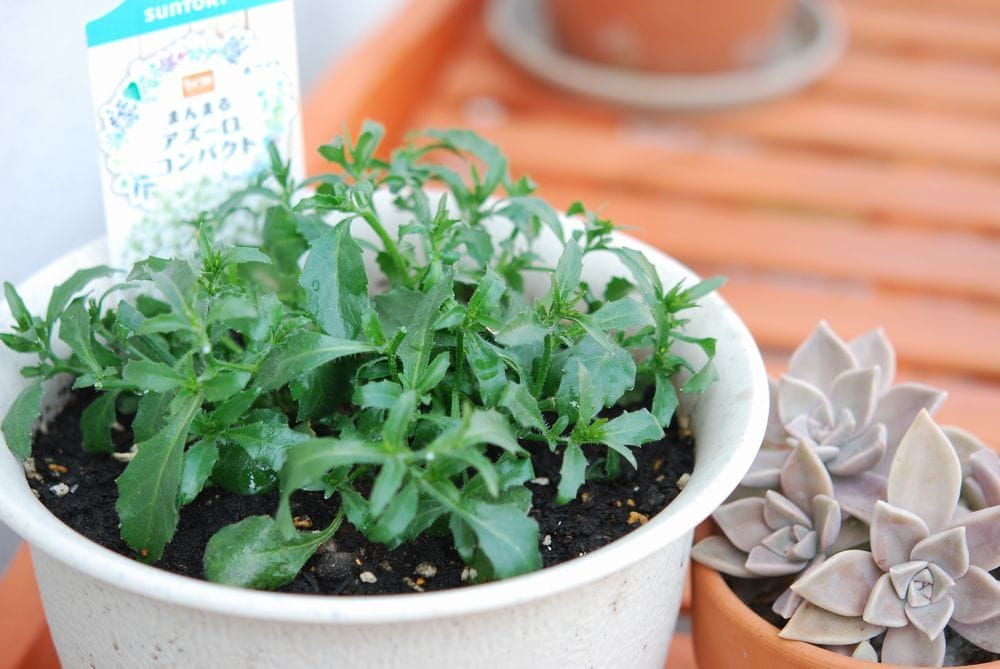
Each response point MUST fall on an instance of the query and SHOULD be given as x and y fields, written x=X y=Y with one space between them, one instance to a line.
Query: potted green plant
x=392 y=354
x=862 y=523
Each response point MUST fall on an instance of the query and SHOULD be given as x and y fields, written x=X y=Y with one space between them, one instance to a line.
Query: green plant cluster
x=405 y=398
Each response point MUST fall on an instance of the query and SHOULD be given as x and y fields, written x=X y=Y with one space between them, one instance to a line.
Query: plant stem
x=543 y=369
x=390 y=246
x=459 y=363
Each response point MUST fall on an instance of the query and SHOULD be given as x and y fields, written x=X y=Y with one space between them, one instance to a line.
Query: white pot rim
x=23 y=513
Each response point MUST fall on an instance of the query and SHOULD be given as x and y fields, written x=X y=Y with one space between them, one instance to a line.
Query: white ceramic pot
x=615 y=607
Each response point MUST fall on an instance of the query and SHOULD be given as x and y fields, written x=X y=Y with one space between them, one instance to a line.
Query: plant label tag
x=187 y=95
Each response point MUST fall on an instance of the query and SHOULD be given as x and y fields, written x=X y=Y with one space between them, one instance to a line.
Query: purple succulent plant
x=928 y=566
x=837 y=398
x=980 y=469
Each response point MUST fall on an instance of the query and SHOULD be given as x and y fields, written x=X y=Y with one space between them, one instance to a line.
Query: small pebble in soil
x=59 y=489
x=367 y=577
x=426 y=570
x=469 y=574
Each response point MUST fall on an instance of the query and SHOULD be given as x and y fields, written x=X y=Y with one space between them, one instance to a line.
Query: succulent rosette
x=837 y=399
x=980 y=470
x=928 y=567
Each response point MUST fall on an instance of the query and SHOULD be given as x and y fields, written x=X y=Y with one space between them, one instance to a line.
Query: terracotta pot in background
x=729 y=635
x=677 y=36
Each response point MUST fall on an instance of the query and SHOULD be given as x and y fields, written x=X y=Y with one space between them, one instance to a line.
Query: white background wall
x=50 y=198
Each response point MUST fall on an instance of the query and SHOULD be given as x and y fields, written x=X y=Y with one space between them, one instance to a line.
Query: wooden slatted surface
x=870 y=198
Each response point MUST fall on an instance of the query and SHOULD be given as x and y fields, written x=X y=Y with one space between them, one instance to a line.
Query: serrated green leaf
x=16 y=305
x=522 y=208
x=434 y=373
x=523 y=406
x=356 y=509
x=416 y=347
x=399 y=513
x=240 y=255
x=255 y=553
x=644 y=273
x=665 y=400
x=487 y=366
x=397 y=423
x=306 y=463
x=377 y=395
x=64 y=292
x=250 y=456
x=470 y=142
x=566 y=280
x=151 y=415
x=155 y=376
x=199 y=460
x=19 y=344
x=618 y=287
x=75 y=331
x=336 y=283
x=20 y=419
x=704 y=287
x=231 y=308
x=386 y=485
x=631 y=428
x=224 y=385
x=507 y=537
x=233 y=408
x=523 y=330
x=622 y=314
x=572 y=474
x=612 y=373
x=301 y=352
x=96 y=421
x=162 y=324
x=148 y=488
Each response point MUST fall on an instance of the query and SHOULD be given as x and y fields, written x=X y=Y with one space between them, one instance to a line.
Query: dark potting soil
x=79 y=488
x=759 y=594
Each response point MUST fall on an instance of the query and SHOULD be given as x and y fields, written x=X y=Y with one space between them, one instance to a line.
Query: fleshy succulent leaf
x=910 y=647
x=821 y=358
x=894 y=533
x=815 y=625
x=842 y=584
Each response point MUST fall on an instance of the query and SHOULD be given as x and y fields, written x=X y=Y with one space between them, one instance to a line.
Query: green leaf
x=618 y=287
x=20 y=419
x=231 y=308
x=301 y=352
x=16 y=305
x=572 y=474
x=255 y=553
x=468 y=141
x=490 y=427
x=199 y=460
x=64 y=292
x=162 y=324
x=646 y=278
x=155 y=376
x=612 y=373
x=250 y=456
x=417 y=345
x=507 y=536
x=336 y=284
x=96 y=421
x=152 y=413
x=148 y=489
x=704 y=287
x=523 y=208
x=395 y=307
x=622 y=314
x=665 y=400
x=368 y=141
x=377 y=395
x=240 y=255
x=487 y=366
x=75 y=331
x=631 y=428
x=230 y=411
x=176 y=281
x=223 y=385
x=523 y=407
x=397 y=423
x=356 y=509
x=434 y=373
x=309 y=461
x=386 y=485
x=397 y=515
x=567 y=277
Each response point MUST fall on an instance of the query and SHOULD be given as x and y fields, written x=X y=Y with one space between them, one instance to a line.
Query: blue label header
x=138 y=17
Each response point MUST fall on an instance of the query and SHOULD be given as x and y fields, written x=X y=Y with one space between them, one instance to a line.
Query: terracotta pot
x=679 y=36
x=728 y=635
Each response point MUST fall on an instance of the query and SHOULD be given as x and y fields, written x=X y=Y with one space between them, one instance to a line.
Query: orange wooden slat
x=921 y=31
x=934 y=334
x=24 y=635
x=810 y=120
x=960 y=87
x=980 y=8
x=741 y=172
x=957 y=264
x=384 y=76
